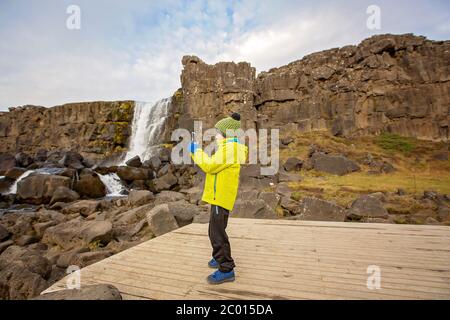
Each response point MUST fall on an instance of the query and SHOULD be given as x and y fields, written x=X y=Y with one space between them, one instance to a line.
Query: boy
x=221 y=185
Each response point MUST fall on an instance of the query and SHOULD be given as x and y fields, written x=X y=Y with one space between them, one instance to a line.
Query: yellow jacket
x=222 y=172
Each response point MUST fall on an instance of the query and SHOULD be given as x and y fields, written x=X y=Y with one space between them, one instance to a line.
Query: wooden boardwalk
x=281 y=259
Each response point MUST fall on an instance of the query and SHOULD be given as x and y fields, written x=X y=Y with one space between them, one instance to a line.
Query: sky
x=132 y=49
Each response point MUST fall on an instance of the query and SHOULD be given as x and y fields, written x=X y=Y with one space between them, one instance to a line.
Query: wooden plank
x=285 y=259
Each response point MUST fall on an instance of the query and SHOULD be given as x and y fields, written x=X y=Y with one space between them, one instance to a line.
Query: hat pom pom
x=236 y=116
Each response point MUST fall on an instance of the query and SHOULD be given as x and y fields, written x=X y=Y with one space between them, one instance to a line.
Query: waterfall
x=146 y=128
x=113 y=184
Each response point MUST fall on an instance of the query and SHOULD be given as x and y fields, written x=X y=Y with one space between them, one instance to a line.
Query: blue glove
x=193 y=146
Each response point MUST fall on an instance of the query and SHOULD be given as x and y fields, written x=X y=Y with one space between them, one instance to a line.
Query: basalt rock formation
x=94 y=129
x=394 y=83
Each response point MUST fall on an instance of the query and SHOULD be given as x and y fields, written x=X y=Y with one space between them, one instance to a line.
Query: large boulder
x=319 y=210
x=160 y=220
x=90 y=185
x=140 y=197
x=130 y=173
x=367 y=206
x=32 y=260
x=64 y=194
x=334 y=164
x=78 y=233
x=257 y=208
x=17 y=282
x=39 y=188
x=90 y=292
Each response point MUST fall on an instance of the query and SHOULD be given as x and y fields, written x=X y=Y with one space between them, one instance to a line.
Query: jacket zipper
x=215 y=182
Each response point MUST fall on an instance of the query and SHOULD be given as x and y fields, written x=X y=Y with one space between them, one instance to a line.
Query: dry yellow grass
x=416 y=171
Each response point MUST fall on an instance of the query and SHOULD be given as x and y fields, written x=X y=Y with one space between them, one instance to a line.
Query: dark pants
x=219 y=238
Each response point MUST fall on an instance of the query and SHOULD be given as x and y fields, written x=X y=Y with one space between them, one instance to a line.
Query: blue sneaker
x=218 y=277
x=213 y=263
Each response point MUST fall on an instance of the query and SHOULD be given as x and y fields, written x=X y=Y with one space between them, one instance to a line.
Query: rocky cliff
x=94 y=129
x=394 y=83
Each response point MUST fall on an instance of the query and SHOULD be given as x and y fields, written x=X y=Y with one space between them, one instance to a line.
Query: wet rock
x=130 y=173
x=89 y=185
x=90 y=292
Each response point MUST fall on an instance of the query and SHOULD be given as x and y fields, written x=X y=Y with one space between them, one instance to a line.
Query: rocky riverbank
x=71 y=220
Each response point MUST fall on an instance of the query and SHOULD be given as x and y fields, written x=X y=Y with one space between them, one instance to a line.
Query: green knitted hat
x=229 y=123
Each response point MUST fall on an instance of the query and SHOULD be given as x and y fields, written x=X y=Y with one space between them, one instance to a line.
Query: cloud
x=133 y=49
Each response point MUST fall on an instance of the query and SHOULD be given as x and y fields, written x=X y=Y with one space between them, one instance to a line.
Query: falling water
x=147 y=127
x=113 y=184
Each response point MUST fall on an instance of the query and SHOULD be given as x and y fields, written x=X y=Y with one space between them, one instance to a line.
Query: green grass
x=393 y=142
